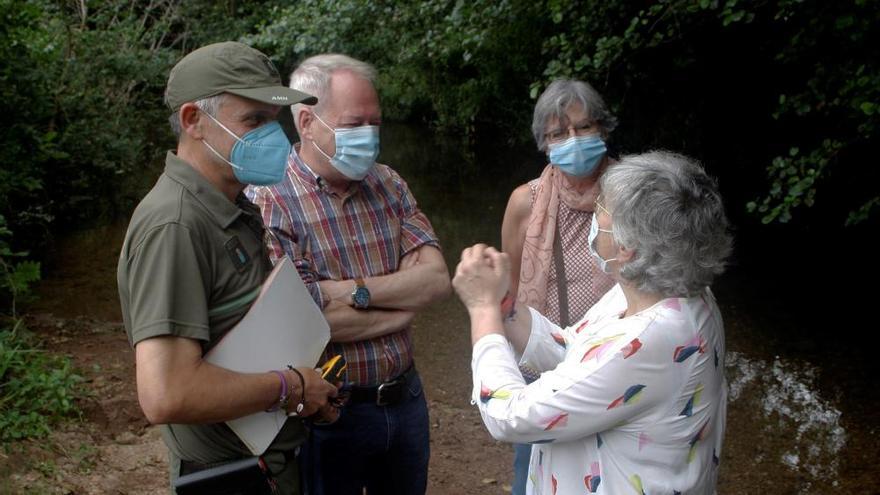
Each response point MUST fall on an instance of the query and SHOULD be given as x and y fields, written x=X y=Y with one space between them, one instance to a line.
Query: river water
x=802 y=415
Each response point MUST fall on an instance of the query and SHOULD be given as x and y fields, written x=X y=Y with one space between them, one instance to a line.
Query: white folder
x=283 y=327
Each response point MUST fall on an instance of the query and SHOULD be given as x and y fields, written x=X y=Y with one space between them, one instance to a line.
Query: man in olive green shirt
x=193 y=261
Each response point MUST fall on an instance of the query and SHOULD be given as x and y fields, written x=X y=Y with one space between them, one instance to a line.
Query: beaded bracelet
x=302 y=400
x=283 y=396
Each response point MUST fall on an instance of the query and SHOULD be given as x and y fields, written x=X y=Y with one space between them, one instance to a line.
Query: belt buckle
x=388 y=393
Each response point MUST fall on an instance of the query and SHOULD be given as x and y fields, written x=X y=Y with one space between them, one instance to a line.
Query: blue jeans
x=522 y=452
x=384 y=449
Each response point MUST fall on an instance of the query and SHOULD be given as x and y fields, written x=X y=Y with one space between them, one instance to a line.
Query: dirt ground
x=113 y=450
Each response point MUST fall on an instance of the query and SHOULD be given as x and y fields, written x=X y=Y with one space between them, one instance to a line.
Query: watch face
x=361 y=297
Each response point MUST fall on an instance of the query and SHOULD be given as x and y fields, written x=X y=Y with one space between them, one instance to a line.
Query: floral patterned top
x=631 y=405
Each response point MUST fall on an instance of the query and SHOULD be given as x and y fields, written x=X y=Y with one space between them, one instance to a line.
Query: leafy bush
x=456 y=64
x=36 y=389
x=82 y=86
x=806 y=69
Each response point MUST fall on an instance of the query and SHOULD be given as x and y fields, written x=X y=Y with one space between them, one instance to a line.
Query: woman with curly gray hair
x=633 y=396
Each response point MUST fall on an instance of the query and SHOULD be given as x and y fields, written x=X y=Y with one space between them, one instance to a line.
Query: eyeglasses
x=603 y=208
x=596 y=219
x=580 y=129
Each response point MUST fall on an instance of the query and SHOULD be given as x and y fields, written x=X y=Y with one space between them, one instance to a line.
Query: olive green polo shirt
x=191 y=265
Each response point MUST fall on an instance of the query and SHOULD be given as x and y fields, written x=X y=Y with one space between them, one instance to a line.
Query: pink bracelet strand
x=282 y=396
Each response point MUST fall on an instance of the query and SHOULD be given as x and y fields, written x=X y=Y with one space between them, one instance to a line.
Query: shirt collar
x=216 y=203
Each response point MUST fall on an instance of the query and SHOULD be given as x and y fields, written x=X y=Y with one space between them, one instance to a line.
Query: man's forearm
x=351 y=325
x=410 y=289
x=197 y=391
x=414 y=286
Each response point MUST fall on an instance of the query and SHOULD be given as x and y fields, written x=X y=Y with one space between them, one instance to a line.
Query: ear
x=625 y=254
x=191 y=121
x=303 y=119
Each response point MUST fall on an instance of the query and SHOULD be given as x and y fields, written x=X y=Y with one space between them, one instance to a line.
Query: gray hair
x=313 y=75
x=210 y=105
x=668 y=210
x=560 y=95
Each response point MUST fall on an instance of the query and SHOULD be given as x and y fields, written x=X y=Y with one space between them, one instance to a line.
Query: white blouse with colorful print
x=631 y=405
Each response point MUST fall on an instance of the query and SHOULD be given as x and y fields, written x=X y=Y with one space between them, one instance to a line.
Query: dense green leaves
x=462 y=65
x=458 y=64
x=37 y=389
x=82 y=84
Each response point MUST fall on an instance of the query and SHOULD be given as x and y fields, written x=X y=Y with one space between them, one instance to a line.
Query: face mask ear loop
x=220 y=156
x=222 y=126
x=322 y=121
x=212 y=148
x=315 y=144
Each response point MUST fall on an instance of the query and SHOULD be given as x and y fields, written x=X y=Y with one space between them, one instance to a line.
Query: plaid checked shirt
x=362 y=233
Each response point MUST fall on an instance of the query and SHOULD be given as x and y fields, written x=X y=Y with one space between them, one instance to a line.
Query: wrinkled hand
x=317 y=392
x=482 y=277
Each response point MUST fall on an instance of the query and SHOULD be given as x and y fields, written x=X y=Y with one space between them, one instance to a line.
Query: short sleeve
x=415 y=228
x=167 y=277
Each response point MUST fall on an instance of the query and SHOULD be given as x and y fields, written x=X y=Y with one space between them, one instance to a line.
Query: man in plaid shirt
x=371 y=259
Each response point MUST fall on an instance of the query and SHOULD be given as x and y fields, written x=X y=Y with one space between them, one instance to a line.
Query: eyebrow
x=260 y=113
x=356 y=120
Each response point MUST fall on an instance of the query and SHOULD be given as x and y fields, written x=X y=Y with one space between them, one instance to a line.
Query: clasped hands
x=482 y=278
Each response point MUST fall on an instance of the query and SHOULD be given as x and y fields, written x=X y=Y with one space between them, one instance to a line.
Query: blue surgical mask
x=356 y=149
x=591 y=239
x=260 y=156
x=578 y=156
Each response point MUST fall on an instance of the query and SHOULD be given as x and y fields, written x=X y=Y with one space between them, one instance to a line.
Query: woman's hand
x=482 y=278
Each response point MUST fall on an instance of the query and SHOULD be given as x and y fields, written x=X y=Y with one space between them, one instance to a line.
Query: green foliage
x=16 y=273
x=82 y=82
x=37 y=389
x=82 y=85
x=830 y=50
x=837 y=45
x=463 y=64
x=456 y=63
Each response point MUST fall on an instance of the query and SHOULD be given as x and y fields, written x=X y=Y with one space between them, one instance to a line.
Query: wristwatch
x=360 y=298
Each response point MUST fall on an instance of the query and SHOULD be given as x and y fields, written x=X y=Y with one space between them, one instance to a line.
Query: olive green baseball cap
x=229 y=67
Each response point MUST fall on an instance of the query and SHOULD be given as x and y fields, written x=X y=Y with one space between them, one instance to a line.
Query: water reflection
x=784 y=394
x=462 y=189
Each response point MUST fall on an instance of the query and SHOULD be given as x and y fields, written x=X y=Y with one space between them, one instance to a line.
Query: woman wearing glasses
x=547 y=219
x=632 y=397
